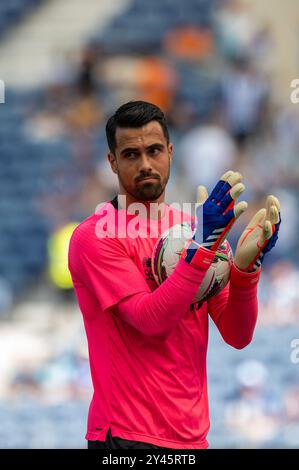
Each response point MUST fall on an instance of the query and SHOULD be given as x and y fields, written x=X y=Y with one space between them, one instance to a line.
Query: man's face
x=142 y=161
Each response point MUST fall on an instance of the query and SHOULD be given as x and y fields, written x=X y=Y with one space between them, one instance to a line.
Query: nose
x=145 y=164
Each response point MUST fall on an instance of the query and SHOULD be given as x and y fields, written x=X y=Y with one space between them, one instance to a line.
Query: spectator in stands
x=244 y=99
x=84 y=115
x=236 y=28
x=254 y=413
x=86 y=81
x=157 y=81
x=205 y=149
x=280 y=294
x=189 y=42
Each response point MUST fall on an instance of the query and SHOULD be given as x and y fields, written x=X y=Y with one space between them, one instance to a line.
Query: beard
x=147 y=191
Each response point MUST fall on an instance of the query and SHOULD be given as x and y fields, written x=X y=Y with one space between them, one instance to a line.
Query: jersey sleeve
x=158 y=313
x=104 y=267
x=235 y=309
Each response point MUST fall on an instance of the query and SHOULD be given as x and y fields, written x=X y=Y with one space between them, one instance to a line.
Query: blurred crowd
x=46 y=388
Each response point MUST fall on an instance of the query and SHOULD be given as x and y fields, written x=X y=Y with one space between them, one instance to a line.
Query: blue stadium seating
x=13 y=11
x=144 y=24
x=24 y=170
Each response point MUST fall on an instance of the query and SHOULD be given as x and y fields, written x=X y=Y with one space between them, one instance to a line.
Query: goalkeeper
x=147 y=348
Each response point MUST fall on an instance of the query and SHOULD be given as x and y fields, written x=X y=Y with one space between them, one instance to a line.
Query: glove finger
x=232 y=196
x=274 y=215
x=222 y=192
x=273 y=201
x=239 y=208
x=267 y=232
x=202 y=194
x=216 y=189
x=233 y=180
x=237 y=190
x=235 y=212
x=226 y=175
x=258 y=218
x=224 y=178
x=277 y=203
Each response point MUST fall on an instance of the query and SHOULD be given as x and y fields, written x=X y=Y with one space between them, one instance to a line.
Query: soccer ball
x=167 y=252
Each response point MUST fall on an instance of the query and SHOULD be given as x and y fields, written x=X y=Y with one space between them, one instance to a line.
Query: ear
x=113 y=162
x=170 y=152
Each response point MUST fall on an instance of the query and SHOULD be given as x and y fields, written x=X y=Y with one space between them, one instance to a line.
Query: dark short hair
x=134 y=114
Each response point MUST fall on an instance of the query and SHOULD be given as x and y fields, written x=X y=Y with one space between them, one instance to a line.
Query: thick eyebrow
x=129 y=149
x=159 y=146
x=135 y=149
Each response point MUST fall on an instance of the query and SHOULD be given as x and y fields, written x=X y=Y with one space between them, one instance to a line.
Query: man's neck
x=148 y=209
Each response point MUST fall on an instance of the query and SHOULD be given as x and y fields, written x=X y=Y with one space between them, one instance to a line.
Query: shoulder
x=83 y=233
x=98 y=235
x=95 y=229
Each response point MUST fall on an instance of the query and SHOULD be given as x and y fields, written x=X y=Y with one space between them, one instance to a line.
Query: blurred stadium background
x=221 y=70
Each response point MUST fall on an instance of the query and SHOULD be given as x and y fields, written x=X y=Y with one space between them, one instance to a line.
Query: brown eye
x=130 y=155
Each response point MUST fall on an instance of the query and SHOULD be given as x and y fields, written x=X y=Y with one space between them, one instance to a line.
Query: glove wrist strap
x=198 y=256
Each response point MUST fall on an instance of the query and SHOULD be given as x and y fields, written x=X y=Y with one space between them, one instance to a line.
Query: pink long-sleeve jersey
x=147 y=346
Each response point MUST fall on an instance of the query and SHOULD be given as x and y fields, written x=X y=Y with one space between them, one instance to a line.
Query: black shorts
x=118 y=443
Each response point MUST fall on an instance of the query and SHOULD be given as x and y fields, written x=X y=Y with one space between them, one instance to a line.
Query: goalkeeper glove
x=259 y=237
x=216 y=214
